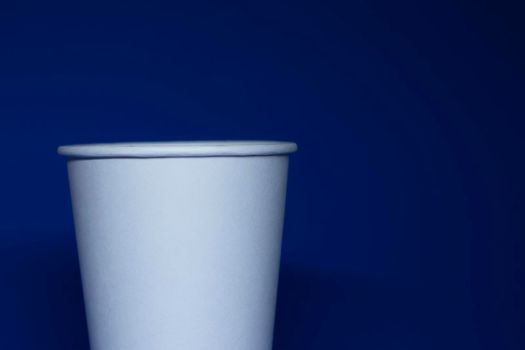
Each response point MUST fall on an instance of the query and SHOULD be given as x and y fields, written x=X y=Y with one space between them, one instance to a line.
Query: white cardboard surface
x=179 y=253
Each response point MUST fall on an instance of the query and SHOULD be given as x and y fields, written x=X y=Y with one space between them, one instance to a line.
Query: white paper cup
x=179 y=243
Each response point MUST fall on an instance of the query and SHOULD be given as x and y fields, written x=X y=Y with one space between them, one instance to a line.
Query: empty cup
x=179 y=242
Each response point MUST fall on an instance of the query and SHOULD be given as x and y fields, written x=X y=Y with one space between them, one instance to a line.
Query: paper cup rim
x=177 y=149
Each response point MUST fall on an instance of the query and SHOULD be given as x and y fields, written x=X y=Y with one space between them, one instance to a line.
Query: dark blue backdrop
x=405 y=226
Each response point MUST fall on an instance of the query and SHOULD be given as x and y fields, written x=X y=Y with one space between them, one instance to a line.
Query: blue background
x=405 y=224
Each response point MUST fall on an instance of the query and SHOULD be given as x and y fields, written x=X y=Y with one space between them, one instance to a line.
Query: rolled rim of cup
x=178 y=149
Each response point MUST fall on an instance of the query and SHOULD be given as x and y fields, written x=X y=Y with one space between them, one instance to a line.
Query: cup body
x=179 y=252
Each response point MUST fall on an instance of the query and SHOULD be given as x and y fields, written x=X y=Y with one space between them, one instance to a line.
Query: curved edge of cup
x=178 y=149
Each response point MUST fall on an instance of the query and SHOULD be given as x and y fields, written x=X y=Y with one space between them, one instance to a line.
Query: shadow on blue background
x=405 y=217
x=42 y=305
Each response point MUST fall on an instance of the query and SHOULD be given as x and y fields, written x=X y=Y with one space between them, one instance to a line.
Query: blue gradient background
x=405 y=224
